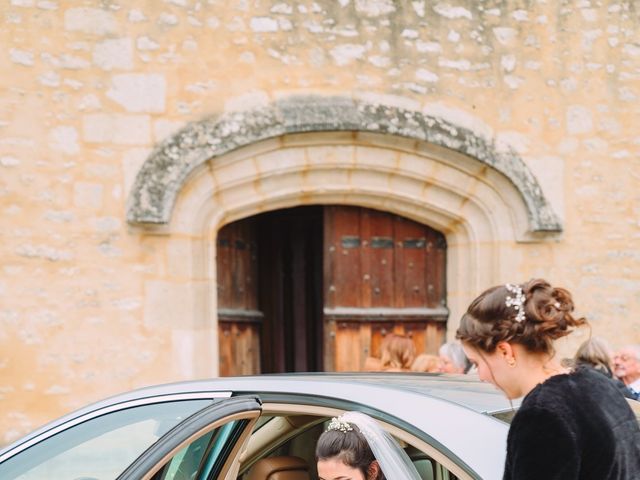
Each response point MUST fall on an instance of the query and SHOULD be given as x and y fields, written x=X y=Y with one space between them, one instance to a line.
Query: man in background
x=626 y=366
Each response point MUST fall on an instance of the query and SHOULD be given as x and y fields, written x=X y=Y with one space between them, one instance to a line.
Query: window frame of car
x=399 y=429
x=243 y=455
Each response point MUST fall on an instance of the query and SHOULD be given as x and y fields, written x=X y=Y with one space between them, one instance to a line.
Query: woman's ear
x=373 y=471
x=505 y=350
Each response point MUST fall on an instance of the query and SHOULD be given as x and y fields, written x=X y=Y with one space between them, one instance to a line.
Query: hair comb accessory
x=340 y=425
x=516 y=301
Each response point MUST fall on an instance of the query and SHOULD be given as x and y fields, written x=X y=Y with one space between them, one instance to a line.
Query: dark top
x=575 y=426
x=609 y=374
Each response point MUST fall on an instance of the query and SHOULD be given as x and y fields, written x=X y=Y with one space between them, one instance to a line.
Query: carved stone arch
x=310 y=151
x=165 y=172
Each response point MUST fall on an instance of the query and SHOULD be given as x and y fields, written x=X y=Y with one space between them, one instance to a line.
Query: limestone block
x=549 y=170
x=579 y=120
x=114 y=54
x=173 y=304
x=167 y=304
x=369 y=180
x=330 y=155
x=228 y=173
x=407 y=187
x=94 y=21
x=328 y=179
x=64 y=139
x=197 y=205
x=117 y=128
x=249 y=191
x=185 y=259
x=21 y=57
x=88 y=195
x=367 y=157
x=132 y=160
x=164 y=128
x=286 y=159
x=138 y=93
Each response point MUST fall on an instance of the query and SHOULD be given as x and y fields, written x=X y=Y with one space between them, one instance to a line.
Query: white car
x=248 y=428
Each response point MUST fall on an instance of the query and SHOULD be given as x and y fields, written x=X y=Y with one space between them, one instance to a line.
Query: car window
x=100 y=448
x=197 y=460
x=505 y=416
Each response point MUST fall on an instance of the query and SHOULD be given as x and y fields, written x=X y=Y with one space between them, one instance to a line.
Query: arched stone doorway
x=318 y=287
x=484 y=202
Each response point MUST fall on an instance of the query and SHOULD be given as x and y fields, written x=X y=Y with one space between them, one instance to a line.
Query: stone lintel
x=163 y=174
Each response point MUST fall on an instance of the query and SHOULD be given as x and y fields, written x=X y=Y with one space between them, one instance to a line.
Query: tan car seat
x=279 y=468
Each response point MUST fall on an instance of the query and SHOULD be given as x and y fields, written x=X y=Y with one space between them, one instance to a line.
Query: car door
x=100 y=442
x=204 y=446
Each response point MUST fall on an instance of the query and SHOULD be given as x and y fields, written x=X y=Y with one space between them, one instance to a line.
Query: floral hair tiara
x=340 y=425
x=516 y=301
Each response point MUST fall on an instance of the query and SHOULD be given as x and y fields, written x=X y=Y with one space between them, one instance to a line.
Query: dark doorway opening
x=290 y=289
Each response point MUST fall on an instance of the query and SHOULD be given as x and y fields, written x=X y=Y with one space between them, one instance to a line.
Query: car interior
x=282 y=447
x=279 y=443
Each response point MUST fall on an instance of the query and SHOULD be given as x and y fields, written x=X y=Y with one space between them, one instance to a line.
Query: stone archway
x=165 y=172
x=427 y=170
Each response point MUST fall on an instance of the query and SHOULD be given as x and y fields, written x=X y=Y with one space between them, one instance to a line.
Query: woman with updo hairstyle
x=572 y=424
x=346 y=454
x=355 y=447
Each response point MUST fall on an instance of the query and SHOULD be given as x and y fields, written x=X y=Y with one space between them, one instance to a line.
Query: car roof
x=463 y=390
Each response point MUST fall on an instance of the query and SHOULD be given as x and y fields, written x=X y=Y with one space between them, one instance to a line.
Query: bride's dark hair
x=350 y=447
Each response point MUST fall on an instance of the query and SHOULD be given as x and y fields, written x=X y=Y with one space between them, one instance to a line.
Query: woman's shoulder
x=576 y=380
x=581 y=392
x=566 y=389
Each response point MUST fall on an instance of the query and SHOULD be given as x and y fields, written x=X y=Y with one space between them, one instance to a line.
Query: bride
x=355 y=447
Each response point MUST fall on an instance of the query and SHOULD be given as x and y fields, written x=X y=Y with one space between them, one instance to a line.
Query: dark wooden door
x=239 y=318
x=318 y=288
x=269 y=270
x=382 y=273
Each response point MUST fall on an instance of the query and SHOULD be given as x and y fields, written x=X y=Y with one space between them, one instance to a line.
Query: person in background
x=426 y=363
x=372 y=364
x=397 y=353
x=453 y=359
x=595 y=353
x=570 y=424
x=626 y=366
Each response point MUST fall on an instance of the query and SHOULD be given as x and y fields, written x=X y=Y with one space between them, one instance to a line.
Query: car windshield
x=99 y=448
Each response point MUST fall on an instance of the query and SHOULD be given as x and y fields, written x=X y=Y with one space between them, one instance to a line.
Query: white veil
x=393 y=460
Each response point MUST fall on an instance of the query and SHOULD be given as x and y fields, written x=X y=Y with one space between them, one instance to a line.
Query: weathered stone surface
x=164 y=172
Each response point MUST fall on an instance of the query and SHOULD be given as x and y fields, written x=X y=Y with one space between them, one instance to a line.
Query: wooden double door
x=318 y=287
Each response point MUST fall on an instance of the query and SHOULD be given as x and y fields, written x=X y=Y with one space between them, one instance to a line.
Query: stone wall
x=89 y=89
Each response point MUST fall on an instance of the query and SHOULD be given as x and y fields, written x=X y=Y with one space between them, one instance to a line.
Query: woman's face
x=493 y=368
x=335 y=469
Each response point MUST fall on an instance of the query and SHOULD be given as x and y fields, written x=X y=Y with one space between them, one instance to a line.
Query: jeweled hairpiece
x=516 y=301
x=340 y=425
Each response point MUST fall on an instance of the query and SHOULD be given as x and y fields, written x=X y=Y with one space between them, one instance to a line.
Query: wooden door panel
x=239 y=348
x=379 y=244
x=436 y=251
x=410 y=268
x=383 y=273
x=342 y=265
x=239 y=320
